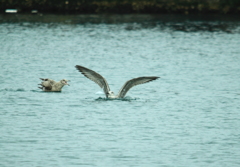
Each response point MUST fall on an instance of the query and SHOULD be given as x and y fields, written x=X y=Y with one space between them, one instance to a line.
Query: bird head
x=64 y=82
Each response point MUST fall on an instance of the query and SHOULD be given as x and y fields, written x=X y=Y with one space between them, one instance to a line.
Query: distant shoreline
x=123 y=6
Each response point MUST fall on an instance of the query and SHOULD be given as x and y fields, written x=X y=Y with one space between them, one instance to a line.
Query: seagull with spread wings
x=101 y=81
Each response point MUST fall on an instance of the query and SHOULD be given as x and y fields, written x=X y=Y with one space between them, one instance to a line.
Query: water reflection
x=203 y=26
x=192 y=23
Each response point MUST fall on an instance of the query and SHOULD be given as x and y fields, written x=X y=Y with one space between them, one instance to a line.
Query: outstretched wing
x=133 y=82
x=95 y=77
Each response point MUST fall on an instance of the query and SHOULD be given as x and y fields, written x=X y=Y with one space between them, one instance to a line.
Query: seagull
x=49 y=85
x=98 y=79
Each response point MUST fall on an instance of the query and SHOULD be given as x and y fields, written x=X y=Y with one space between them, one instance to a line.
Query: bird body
x=49 y=85
x=101 y=81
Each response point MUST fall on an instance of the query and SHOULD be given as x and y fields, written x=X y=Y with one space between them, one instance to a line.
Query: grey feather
x=98 y=79
x=95 y=77
x=134 y=82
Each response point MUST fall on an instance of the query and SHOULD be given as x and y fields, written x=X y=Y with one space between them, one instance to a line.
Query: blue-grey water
x=188 y=117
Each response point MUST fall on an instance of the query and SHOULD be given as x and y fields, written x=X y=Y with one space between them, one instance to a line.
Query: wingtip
x=44 y=79
x=77 y=67
x=155 y=78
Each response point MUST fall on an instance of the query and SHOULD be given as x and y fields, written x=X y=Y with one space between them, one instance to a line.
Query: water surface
x=189 y=117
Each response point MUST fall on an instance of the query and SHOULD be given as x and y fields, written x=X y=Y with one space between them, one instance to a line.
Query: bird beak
x=67 y=83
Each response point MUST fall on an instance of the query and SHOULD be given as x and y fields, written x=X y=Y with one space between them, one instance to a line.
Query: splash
x=127 y=98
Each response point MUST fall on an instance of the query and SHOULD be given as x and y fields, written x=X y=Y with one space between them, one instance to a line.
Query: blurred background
x=123 y=6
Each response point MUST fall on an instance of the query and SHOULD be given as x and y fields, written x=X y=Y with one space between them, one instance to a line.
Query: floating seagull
x=98 y=79
x=49 y=85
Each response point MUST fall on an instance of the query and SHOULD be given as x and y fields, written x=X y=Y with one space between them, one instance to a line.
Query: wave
x=12 y=90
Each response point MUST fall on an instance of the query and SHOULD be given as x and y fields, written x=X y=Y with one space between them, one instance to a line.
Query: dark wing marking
x=44 y=79
x=48 y=88
x=95 y=77
x=133 y=82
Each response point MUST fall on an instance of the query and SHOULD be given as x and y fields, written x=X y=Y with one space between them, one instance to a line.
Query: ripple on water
x=13 y=90
x=190 y=117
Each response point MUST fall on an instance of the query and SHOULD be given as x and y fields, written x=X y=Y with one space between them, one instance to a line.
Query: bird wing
x=133 y=82
x=95 y=77
x=48 y=82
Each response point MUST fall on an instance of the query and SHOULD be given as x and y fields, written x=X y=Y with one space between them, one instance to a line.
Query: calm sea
x=188 y=117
